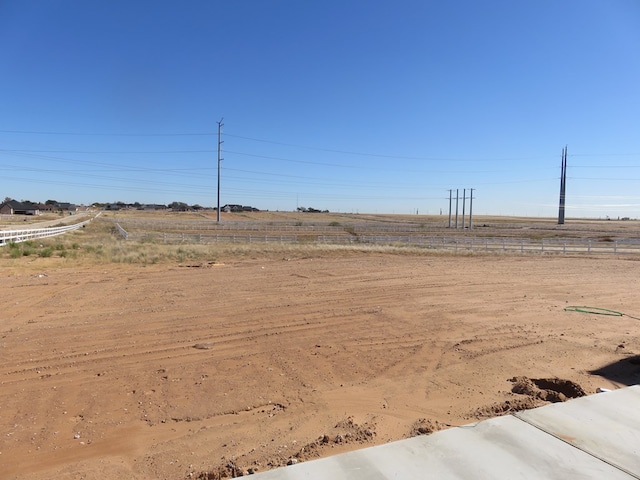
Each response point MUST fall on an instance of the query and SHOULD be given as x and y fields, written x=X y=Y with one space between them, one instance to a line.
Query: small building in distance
x=14 y=207
x=233 y=208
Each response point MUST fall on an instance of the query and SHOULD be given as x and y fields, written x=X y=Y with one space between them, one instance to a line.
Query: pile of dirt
x=505 y=408
x=547 y=389
x=345 y=432
x=422 y=426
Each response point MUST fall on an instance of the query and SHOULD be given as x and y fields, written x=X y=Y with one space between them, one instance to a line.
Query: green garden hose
x=598 y=311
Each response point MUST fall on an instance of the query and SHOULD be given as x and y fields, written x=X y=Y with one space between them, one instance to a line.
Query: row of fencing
x=204 y=225
x=25 y=234
x=458 y=244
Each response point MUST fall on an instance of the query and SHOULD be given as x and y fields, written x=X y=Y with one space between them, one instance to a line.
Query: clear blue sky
x=352 y=106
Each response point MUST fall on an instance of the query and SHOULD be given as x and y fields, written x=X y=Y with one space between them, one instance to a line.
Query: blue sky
x=351 y=106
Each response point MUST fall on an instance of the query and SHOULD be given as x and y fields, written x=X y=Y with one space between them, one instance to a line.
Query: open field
x=196 y=362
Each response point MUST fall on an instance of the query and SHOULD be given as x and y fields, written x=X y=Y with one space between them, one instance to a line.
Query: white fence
x=22 y=235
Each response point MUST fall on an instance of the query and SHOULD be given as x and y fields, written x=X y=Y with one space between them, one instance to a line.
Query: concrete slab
x=586 y=438
x=606 y=425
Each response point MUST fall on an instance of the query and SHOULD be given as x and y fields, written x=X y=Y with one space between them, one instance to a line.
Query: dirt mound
x=547 y=389
x=506 y=407
x=537 y=391
x=345 y=432
x=422 y=426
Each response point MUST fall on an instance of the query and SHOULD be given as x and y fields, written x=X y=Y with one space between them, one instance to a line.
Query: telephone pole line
x=464 y=207
x=220 y=124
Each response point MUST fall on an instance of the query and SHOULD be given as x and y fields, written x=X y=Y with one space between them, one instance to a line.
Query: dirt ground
x=196 y=371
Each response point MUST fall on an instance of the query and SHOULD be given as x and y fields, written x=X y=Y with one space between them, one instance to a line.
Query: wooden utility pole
x=220 y=124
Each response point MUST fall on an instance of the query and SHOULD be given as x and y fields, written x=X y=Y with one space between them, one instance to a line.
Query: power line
x=106 y=151
x=119 y=167
x=365 y=154
x=134 y=189
x=604 y=154
x=359 y=167
x=110 y=134
x=244 y=137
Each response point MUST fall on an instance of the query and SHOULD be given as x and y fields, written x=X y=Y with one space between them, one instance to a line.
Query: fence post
x=589 y=246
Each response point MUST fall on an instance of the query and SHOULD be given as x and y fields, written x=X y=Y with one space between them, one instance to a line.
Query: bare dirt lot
x=199 y=370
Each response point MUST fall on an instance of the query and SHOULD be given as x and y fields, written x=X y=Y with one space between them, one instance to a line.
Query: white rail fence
x=22 y=235
x=458 y=244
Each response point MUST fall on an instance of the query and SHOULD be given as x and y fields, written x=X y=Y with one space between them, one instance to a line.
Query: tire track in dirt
x=385 y=341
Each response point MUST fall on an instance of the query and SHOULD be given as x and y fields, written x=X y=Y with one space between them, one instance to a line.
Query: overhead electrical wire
x=111 y=134
x=106 y=151
x=279 y=179
x=379 y=155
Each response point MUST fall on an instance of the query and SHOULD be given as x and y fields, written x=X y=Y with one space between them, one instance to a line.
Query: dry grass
x=99 y=242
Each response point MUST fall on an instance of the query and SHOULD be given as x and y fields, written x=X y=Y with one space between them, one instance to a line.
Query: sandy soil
x=193 y=371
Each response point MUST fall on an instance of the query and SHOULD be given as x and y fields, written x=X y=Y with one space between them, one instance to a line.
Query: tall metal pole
x=450 y=194
x=457 y=196
x=464 y=201
x=219 y=162
x=563 y=186
x=471 y=210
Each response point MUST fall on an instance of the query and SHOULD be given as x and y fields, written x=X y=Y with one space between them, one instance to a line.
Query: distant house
x=180 y=208
x=238 y=208
x=67 y=206
x=13 y=207
x=151 y=206
x=46 y=208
